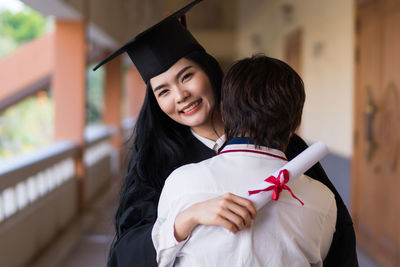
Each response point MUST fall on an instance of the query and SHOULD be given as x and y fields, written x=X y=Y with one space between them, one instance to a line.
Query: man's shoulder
x=191 y=169
x=190 y=175
x=314 y=194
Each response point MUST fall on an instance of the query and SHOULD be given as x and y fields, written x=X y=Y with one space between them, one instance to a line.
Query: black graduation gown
x=343 y=248
x=134 y=247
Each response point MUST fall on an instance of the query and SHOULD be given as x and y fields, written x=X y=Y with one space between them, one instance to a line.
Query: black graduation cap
x=156 y=49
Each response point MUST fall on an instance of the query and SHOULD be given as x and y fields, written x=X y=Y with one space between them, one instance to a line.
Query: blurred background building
x=63 y=128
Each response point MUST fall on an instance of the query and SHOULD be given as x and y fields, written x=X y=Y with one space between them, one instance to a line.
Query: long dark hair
x=158 y=140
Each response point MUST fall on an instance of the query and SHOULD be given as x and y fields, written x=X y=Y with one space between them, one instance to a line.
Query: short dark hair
x=262 y=98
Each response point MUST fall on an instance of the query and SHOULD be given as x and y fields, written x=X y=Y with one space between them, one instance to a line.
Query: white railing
x=40 y=194
x=16 y=198
x=21 y=183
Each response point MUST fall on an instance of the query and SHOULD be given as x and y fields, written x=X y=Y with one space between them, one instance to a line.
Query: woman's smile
x=191 y=108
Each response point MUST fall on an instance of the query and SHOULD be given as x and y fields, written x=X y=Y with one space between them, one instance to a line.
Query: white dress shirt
x=285 y=233
x=214 y=145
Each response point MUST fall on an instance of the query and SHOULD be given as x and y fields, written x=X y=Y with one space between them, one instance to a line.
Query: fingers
x=222 y=221
x=244 y=203
x=230 y=211
x=233 y=218
x=241 y=213
x=237 y=210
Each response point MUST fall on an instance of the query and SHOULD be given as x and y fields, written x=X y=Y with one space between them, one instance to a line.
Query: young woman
x=181 y=108
x=171 y=133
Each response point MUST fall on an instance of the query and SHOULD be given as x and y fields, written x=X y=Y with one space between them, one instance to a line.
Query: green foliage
x=7 y=45
x=22 y=26
x=26 y=125
x=94 y=95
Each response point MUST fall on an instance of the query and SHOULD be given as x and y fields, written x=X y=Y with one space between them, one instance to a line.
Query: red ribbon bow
x=278 y=186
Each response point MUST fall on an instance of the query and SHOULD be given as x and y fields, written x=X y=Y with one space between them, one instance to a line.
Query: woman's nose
x=181 y=94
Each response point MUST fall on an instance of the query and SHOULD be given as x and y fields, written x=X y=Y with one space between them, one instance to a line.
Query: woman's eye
x=163 y=92
x=187 y=76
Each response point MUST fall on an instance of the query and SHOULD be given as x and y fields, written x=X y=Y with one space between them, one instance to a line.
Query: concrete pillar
x=68 y=84
x=112 y=99
x=136 y=89
x=68 y=87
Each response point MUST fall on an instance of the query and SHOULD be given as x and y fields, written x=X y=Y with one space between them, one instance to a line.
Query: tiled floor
x=95 y=231
x=87 y=241
x=93 y=246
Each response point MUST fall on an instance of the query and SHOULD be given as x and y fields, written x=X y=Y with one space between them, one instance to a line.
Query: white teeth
x=191 y=107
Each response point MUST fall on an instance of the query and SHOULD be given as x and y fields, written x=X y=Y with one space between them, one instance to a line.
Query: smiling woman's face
x=185 y=94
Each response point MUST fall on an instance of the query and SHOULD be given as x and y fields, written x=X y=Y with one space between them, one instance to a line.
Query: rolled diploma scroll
x=296 y=167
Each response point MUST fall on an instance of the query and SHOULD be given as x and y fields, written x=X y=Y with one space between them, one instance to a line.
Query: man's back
x=285 y=233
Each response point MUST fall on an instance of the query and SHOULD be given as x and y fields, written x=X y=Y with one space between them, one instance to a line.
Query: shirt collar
x=214 y=145
x=245 y=144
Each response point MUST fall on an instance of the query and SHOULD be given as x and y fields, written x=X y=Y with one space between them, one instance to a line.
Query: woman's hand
x=230 y=211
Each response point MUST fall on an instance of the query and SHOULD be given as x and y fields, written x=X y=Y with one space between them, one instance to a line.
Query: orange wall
x=31 y=62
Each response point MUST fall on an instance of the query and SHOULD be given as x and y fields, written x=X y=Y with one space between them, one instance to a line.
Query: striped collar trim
x=249 y=148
